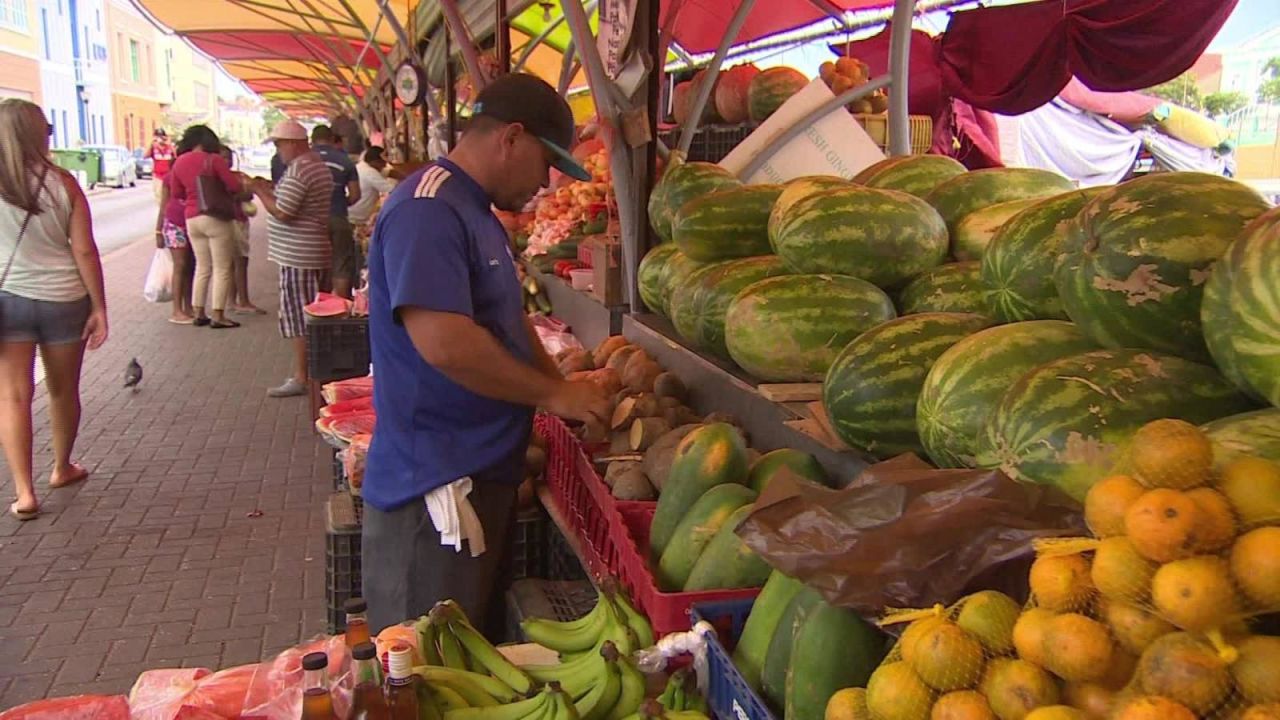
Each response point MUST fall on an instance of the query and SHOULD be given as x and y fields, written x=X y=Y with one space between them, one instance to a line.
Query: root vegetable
x=576 y=361
x=619 y=443
x=605 y=349
x=632 y=485
x=657 y=459
x=646 y=431
x=680 y=415
x=640 y=376
x=641 y=406
x=617 y=468
x=618 y=360
x=666 y=403
x=667 y=385
x=635 y=360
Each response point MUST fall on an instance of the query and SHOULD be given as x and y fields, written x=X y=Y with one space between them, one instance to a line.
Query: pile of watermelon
x=998 y=318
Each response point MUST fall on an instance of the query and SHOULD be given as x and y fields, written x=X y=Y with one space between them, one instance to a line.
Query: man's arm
x=541 y=359
x=267 y=194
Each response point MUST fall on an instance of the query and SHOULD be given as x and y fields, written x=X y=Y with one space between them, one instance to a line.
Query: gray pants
x=406 y=570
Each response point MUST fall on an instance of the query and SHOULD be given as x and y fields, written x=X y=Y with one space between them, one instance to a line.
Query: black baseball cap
x=528 y=100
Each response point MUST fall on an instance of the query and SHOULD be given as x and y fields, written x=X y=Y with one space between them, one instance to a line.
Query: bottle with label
x=316 y=702
x=357 y=622
x=402 y=684
x=367 y=702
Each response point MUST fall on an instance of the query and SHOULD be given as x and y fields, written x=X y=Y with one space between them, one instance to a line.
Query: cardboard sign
x=834 y=145
x=617 y=17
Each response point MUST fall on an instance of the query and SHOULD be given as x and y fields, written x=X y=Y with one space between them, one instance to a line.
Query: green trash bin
x=84 y=164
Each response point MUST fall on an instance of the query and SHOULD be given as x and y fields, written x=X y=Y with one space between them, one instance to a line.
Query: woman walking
x=212 y=238
x=171 y=233
x=51 y=297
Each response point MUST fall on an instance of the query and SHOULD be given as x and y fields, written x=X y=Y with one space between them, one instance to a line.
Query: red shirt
x=192 y=165
x=162 y=154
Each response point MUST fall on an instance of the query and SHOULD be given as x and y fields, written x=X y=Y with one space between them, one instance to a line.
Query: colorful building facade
x=135 y=99
x=19 y=61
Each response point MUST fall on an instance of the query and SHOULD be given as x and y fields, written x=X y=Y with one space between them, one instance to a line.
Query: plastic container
x=88 y=162
x=527 y=549
x=581 y=278
x=728 y=694
x=668 y=612
x=579 y=495
x=341 y=556
x=559 y=600
x=337 y=348
x=711 y=143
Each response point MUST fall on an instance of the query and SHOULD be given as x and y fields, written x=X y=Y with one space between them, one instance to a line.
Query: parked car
x=143 y=164
x=118 y=167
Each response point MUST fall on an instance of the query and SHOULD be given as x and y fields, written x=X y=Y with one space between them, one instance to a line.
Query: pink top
x=192 y=165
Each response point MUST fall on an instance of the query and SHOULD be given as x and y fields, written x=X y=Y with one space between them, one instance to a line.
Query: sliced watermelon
x=327 y=305
x=344 y=427
x=342 y=407
x=348 y=389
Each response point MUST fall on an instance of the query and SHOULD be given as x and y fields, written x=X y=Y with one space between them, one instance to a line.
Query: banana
x=486 y=684
x=427 y=707
x=563 y=708
x=634 y=620
x=599 y=701
x=468 y=689
x=451 y=651
x=575 y=677
x=428 y=643
x=486 y=656
x=448 y=699
x=678 y=698
x=573 y=636
x=632 y=693
x=530 y=708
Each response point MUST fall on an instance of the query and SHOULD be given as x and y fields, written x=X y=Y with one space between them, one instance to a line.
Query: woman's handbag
x=212 y=196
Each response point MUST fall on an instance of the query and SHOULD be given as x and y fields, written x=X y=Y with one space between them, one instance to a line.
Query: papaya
x=773 y=676
x=833 y=648
x=712 y=455
x=766 y=612
x=727 y=562
x=695 y=530
x=797 y=461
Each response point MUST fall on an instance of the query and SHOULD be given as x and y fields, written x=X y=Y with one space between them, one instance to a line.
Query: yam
x=606 y=348
x=657 y=459
x=535 y=460
x=618 y=360
x=617 y=468
x=641 y=406
x=577 y=360
x=619 y=443
x=646 y=431
x=633 y=485
x=640 y=376
x=635 y=360
x=579 y=376
x=666 y=403
x=667 y=385
x=680 y=415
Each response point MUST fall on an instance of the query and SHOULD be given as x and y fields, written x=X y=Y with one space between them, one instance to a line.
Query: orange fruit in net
x=1016 y=687
x=907 y=643
x=1095 y=701
x=989 y=617
x=1195 y=594
x=1186 y=670
x=1056 y=712
x=1119 y=571
x=1256 y=670
x=962 y=705
x=1061 y=582
x=1120 y=671
x=1162 y=525
x=1153 y=707
x=1253 y=486
x=1270 y=711
x=1106 y=503
x=1217 y=526
x=1255 y=565
x=946 y=658
x=1133 y=627
x=1076 y=648
x=895 y=692
x=1028 y=634
x=847 y=704
x=1171 y=454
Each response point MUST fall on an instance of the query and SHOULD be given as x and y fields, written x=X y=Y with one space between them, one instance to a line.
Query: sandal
x=23 y=515
x=79 y=474
x=223 y=324
x=201 y=321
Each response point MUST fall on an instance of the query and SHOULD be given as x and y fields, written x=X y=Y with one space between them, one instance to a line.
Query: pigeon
x=133 y=374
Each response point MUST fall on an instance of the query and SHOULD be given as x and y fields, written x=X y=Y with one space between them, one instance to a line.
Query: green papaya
x=773 y=678
x=797 y=461
x=696 y=529
x=712 y=455
x=832 y=649
x=766 y=612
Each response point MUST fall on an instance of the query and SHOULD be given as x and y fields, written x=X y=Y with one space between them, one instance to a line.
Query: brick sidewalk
x=155 y=561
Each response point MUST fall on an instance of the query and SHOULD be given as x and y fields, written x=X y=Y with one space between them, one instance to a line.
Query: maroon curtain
x=924 y=87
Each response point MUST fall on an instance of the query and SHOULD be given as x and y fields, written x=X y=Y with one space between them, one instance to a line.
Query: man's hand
x=579 y=400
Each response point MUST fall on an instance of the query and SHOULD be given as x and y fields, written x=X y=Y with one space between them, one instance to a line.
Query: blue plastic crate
x=728 y=695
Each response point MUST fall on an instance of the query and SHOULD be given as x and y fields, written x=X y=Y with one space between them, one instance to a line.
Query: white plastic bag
x=158 y=288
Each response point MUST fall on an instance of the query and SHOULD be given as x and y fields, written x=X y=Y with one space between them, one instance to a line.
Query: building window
x=13 y=14
x=135 y=62
x=102 y=127
x=44 y=33
x=202 y=94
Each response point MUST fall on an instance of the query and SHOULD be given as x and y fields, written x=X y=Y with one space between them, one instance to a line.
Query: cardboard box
x=606 y=266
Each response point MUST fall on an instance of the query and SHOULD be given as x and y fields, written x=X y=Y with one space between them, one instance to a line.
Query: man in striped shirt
x=297 y=239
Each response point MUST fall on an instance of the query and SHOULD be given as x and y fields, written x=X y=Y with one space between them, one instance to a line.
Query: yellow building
x=186 y=85
x=19 y=61
x=135 y=98
x=240 y=122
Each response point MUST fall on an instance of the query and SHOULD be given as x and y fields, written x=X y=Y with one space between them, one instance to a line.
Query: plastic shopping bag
x=158 y=287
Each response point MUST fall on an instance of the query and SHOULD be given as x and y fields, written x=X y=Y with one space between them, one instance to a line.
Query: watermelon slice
x=346 y=426
x=348 y=389
x=342 y=407
x=327 y=305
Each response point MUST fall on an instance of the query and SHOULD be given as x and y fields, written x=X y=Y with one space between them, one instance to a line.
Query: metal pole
x=802 y=124
x=502 y=36
x=899 y=64
x=541 y=37
x=713 y=71
x=831 y=11
x=653 y=92
x=468 y=47
x=568 y=68
x=450 y=92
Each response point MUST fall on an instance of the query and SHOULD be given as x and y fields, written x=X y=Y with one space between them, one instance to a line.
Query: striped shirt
x=303 y=193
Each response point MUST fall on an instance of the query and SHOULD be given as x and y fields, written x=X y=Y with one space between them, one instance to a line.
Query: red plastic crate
x=579 y=494
x=668 y=612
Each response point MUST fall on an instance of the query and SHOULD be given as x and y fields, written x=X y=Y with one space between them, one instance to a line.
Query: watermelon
x=884 y=237
x=726 y=224
x=974 y=231
x=675 y=274
x=685 y=314
x=962 y=194
x=915 y=174
x=1062 y=423
x=790 y=328
x=1254 y=433
x=680 y=184
x=1241 y=309
x=771 y=88
x=732 y=92
x=649 y=276
x=969 y=379
x=954 y=287
x=795 y=190
x=1137 y=256
x=871 y=390
x=715 y=289
x=1017 y=268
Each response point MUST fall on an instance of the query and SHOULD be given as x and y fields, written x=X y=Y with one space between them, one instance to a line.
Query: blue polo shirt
x=438 y=246
x=343 y=171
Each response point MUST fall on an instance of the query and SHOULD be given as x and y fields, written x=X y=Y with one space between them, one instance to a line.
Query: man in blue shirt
x=346 y=192
x=458 y=368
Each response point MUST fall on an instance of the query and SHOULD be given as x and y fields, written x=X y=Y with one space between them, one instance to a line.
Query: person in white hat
x=297 y=239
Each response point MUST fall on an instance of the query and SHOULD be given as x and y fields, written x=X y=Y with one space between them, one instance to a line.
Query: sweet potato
x=640 y=376
x=608 y=379
x=636 y=359
x=645 y=432
x=667 y=385
x=575 y=361
x=631 y=484
x=618 y=360
x=640 y=406
x=618 y=467
x=607 y=348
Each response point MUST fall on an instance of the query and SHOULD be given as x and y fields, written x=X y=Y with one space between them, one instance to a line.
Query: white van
x=118 y=167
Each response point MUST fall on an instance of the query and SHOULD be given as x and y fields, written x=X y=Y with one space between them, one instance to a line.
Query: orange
x=1255 y=565
x=1184 y=669
x=1055 y=712
x=1217 y=521
x=1016 y=687
x=895 y=692
x=1253 y=486
x=1133 y=627
x=1195 y=594
x=1153 y=707
x=1162 y=525
x=1028 y=634
x=1061 y=582
x=946 y=658
x=1270 y=711
x=1171 y=454
x=1092 y=699
x=847 y=704
x=989 y=616
x=1076 y=648
x=1119 y=571
x=962 y=705
x=1120 y=671
x=906 y=643
x=1107 y=502
x=1257 y=669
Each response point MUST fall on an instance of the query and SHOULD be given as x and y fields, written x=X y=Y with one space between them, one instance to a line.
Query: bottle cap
x=315 y=661
x=355 y=605
x=364 y=651
x=400 y=661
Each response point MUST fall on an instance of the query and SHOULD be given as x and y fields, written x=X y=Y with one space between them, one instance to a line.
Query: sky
x=1250 y=18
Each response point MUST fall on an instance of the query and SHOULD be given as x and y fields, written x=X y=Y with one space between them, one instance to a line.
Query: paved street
x=161 y=558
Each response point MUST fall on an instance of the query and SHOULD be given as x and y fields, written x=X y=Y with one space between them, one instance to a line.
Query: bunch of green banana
x=653 y=710
x=551 y=703
x=681 y=693
x=459 y=659
x=604 y=684
x=613 y=618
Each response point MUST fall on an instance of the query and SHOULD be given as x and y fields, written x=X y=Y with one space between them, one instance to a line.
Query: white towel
x=454 y=517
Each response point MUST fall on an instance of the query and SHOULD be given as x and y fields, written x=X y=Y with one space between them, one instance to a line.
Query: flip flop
x=224 y=324
x=249 y=311
x=188 y=321
x=77 y=477
x=22 y=514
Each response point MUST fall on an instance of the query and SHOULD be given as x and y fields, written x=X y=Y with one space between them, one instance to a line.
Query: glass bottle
x=316 y=702
x=357 y=622
x=402 y=685
x=367 y=702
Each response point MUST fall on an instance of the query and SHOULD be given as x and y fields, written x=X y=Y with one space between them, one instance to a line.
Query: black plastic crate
x=337 y=348
x=711 y=143
x=562 y=562
x=561 y=600
x=342 y=556
x=339 y=473
x=527 y=548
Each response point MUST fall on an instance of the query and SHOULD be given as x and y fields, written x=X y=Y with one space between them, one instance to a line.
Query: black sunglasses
x=50 y=130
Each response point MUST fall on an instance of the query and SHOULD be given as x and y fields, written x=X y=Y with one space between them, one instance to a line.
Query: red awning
x=266 y=45
x=700 y=24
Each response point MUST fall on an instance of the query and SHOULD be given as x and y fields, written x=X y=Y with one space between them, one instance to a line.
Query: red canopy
x=700 y=24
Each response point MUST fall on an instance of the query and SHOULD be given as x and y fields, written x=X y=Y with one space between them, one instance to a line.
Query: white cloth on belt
x=454 y=517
